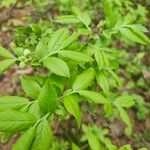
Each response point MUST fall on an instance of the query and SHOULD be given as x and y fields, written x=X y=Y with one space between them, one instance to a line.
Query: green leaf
x=31 y=88
x=11 y=121
x=48 y=46
x=4 y=53
x=35 y=110
x=99 y=59
x=115 y=76
x=57 y=66
x=75 y=147
x=70 y=40
x=93 y=141
x=124 y=116
x=124 y=101
x=76 y=56
x=83 y=17
x=42 y=49
x=43 y=136
x=80 y=82
x=67 y=19
x=125 y=147
x=102 y=80
x=6 y=64
x=94 y=97
x=12 y=102
x=72 y=106
x=92 y=138
x=25 y=140
x=57 y=40
x=48 y=98
x=134 y=34
x=110 y=14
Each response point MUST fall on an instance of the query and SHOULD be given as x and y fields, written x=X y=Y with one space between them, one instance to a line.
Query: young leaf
x=43 y=136
x=48 y=98
x=124 y=101
x=67 y=19
x=57 y=66
x=102 y=80
x=25 y=140
x=11 y=121
x=6 y=64
x=84 y=79
x=76 y=56
x=4 y=53
x=94 y=97
x=124 y=116
x=12 y=102
x=30 y=87
x=72 y=107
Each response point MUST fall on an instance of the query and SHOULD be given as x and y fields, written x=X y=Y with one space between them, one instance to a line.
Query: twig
x=9 y=13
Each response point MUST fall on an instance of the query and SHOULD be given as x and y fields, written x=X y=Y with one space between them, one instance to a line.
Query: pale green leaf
x=31 y=88
x=67 y=19
x=6 y=64
x=124 y=116
x=115 y=76
x=4 y=53
x=76 y=56
x=42 y=49
x=48 y=98
x=12 y=102
x=11 y=120
x=57 y=40
x=84 y=80
x=94 y=97
x=134 y=34
x=57 y=66
x=70 y=40
x=25 y=140
x=124 y=101
x=72 y=106
x=102 y=80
